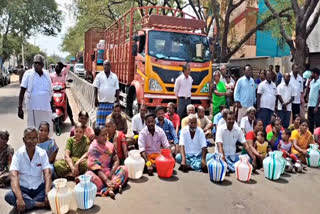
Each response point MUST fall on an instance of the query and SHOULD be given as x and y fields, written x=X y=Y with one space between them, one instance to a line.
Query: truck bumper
x=153 y=100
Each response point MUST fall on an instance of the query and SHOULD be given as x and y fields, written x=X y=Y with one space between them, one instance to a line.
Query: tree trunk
x=300 y=54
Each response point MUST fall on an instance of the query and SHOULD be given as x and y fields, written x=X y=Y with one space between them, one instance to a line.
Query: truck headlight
x=154 y=85
x=205 y=88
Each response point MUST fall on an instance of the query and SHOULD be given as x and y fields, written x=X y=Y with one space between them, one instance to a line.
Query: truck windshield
x=178 y=46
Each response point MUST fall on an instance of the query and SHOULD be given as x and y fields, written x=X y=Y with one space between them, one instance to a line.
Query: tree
x=304 y=25
x=20 y=19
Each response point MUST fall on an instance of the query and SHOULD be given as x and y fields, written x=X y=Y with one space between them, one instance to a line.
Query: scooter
x=60 y=103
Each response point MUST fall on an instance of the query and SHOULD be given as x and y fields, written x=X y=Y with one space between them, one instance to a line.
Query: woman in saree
x=47 y=144
x=301 y=139
x=219 y=93
x=104 y=165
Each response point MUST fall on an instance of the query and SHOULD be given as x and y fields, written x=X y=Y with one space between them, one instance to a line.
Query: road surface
x=185 y=192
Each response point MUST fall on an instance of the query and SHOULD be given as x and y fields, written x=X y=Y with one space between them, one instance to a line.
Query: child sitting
x=83 y=118
x=262 y=147
x=285 y=145
x=6 y=153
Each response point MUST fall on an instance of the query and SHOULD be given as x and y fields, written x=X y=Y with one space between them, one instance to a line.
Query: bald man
x=206 y=124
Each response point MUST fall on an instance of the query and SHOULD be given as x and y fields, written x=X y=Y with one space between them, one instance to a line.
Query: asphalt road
x=192 y=192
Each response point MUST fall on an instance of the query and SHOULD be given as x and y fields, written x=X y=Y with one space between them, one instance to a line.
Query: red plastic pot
x=165 y=164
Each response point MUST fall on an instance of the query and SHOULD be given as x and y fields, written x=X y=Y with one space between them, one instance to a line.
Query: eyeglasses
x=38 y=63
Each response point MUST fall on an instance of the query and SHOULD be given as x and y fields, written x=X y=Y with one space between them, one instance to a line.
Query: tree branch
x=295 y=6
x=314 y=21
x=237 y=4
x=282 y=29
x=194 y=9
x=309 y=11
x=253 y=31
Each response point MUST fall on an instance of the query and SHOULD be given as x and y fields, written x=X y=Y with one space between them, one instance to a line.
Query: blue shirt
x=279 y=78
x=168 y=128
x=314 y=93
x=245 y=92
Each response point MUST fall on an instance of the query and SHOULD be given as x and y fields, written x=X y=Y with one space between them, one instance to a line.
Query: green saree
x=218 y=101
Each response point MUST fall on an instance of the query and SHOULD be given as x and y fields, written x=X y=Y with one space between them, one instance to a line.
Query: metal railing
x=83 y=92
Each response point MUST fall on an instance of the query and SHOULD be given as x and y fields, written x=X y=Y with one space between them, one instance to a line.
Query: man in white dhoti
x=36 y=84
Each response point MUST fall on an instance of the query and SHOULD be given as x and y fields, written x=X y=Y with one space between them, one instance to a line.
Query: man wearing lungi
x=36 y=84
x=106 y=92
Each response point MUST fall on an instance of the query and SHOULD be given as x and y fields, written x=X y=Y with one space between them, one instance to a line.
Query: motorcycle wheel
x=57 y=126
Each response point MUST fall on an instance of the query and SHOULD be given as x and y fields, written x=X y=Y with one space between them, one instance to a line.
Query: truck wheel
x=133 y=105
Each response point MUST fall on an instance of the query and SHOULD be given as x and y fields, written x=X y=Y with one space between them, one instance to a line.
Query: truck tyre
x=133 y=105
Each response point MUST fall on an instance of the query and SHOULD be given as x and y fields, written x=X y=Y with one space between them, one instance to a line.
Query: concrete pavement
x=185 y=192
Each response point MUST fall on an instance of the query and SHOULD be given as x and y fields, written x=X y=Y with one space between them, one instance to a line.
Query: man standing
x=151 y=139
x=223 y=70
x=138 y=122
x=314 y=100
x=286 y=95
x=182 y=89
x=297 y=82
x=106 y=93
x=266 y=99
x=29 y=165
x=37 y=83
x=245 y=93
x=279 y=75
x=227 y=136
x=193 y=147
x=60 y=75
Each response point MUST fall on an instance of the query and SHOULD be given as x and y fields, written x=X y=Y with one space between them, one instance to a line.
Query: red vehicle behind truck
x=92 y=37
x=147 y=50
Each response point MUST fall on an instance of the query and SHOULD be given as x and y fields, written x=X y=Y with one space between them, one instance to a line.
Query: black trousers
x=295 y=110
x=314 y=118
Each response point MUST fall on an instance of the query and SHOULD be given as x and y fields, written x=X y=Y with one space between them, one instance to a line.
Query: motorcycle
x=60 y=103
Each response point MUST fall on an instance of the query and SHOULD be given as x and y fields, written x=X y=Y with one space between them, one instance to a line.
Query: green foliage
x=29 y=52
x=19 y=19
x=288 y=22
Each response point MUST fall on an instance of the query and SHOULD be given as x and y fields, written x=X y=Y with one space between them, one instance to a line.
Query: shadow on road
x=173 y=178
x=281 y=181
x=94 y=209
x=225 y=182
x=143 y=179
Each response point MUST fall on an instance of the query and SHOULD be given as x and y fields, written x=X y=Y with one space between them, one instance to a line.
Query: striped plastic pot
x=279 y=154
x=60 y=196
x=85 y=192
x=272 y=167
x=243 y=168
x=314 y=156
x=217 y=168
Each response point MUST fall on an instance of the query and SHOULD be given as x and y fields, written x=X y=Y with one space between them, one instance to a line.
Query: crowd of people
x=248 y=116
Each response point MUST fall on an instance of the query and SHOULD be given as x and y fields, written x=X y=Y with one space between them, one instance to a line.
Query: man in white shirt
x=36 y=84
x=182 y=89
x=138 y=121
x=246 y=123
x=266 y=99
x=286 y=94
x=227 y=136
x=106 y=93
x=30 y=175
x=296 y=81
x=193 y=147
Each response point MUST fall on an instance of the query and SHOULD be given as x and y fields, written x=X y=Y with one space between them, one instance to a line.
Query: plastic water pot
x=85 y=192
x=60 y=197
x=272 y=167
x=165 y=164
x=217 y=168
x=243 y=168
x=135 y=164
x=314 y=156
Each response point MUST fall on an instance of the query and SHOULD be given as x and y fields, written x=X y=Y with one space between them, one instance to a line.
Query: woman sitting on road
x=47 y=144
x=118 y=139
x=301 y=139
x=83 y=118
x=104 y=165
x=75 y=158
x=274 y=136
x=296 y=123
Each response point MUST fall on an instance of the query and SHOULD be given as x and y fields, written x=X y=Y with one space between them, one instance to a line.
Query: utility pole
x=22 y=53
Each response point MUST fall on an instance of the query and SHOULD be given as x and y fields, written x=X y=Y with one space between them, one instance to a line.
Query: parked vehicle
x=147 y=54
x=4 y=77
x=79 y=70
